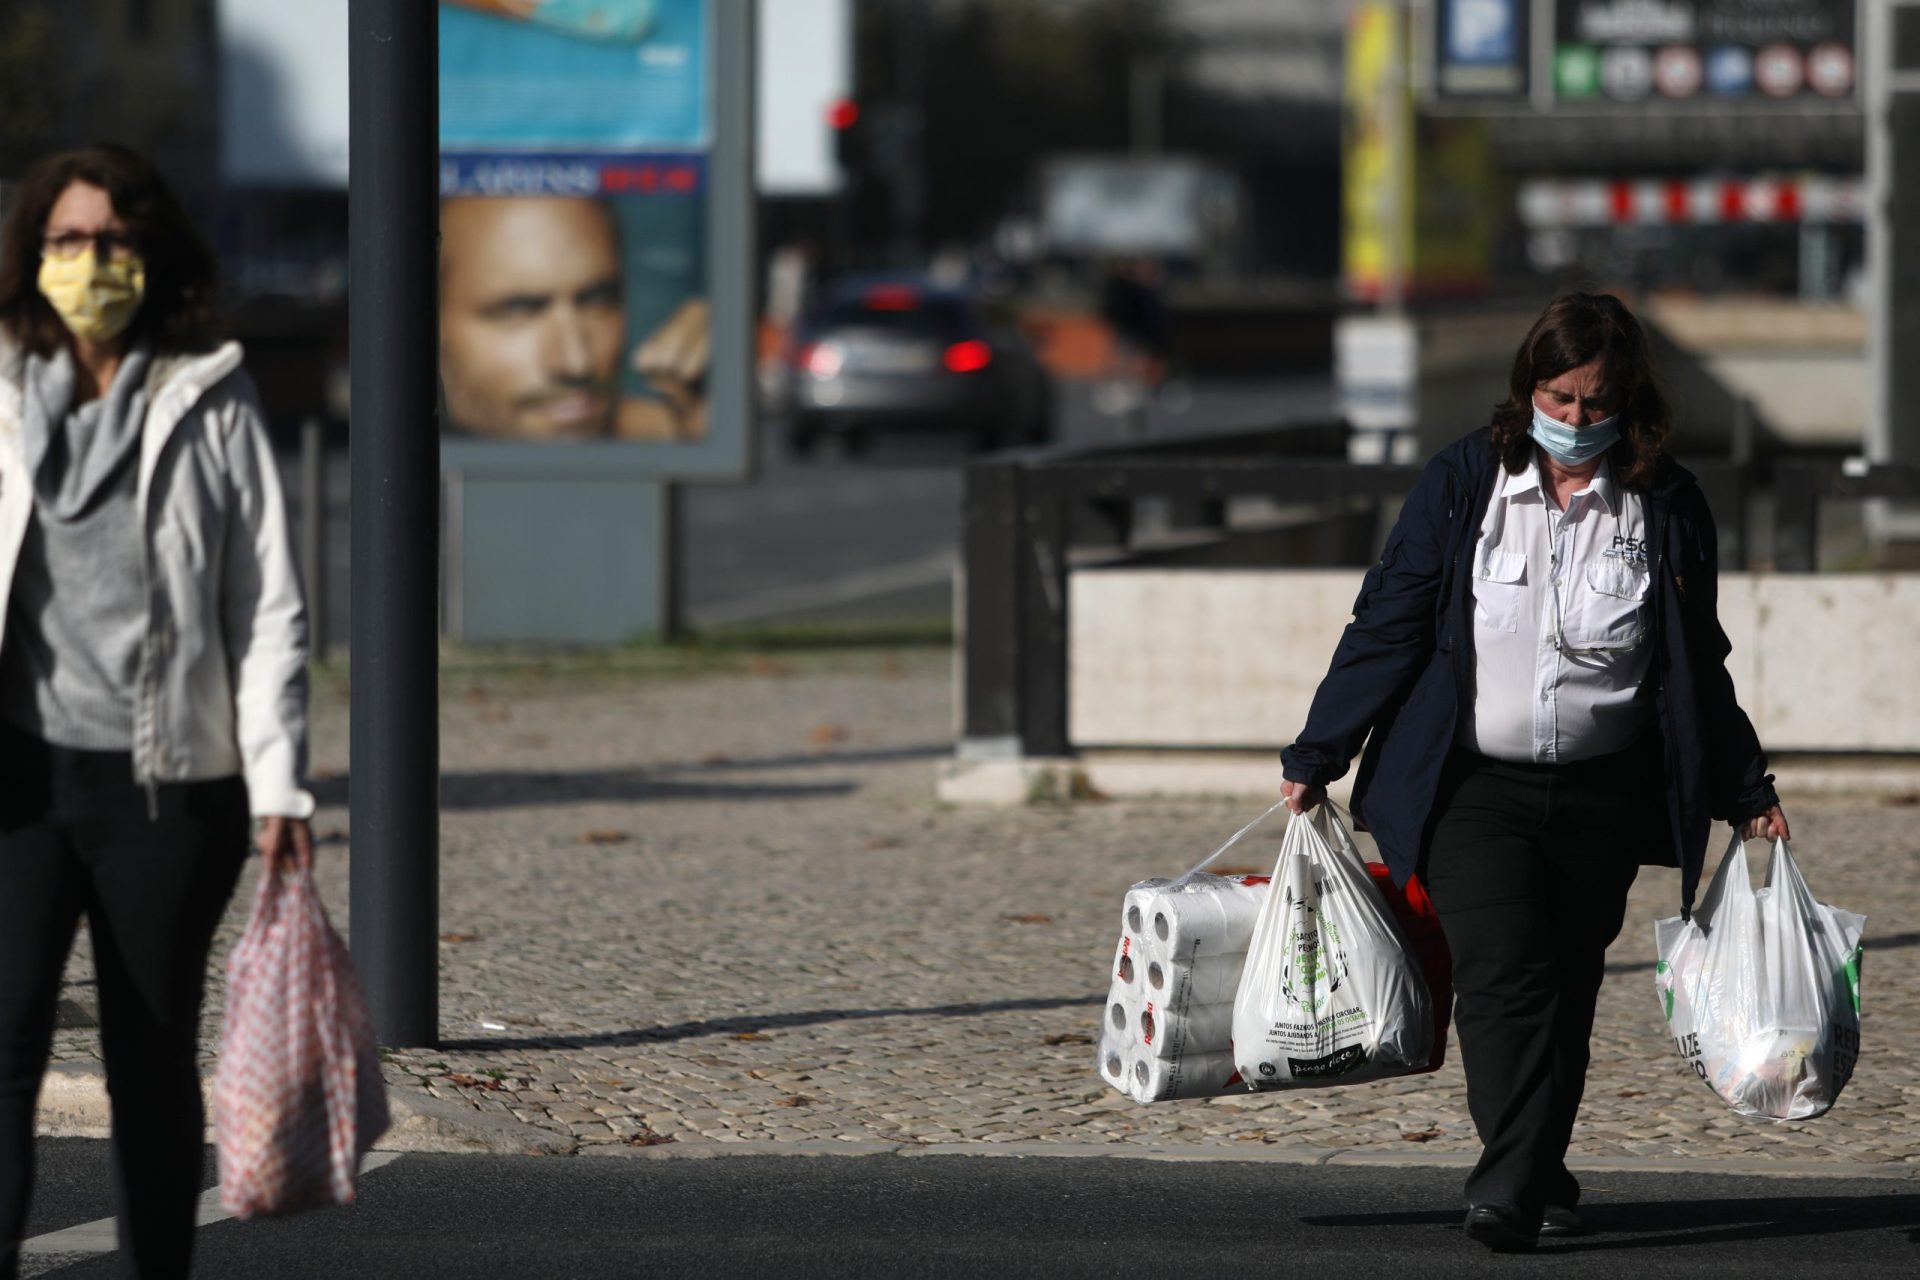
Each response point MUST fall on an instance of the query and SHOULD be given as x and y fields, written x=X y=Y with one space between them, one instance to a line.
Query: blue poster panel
x=1481 y=48
x=609 y=75
x=577 y=297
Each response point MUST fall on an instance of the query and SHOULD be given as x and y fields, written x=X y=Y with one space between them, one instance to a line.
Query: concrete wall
x=1230 y=658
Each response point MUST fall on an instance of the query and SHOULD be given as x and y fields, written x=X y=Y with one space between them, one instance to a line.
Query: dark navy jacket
x=1404 y=668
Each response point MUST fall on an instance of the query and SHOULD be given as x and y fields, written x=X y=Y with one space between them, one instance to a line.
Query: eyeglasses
x=1594 y=649
x=110 y=246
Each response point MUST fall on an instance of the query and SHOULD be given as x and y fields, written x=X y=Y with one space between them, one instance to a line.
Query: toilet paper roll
x=1203 y=916
x=1201 y=1029
x=1121 y=1018
x=1128 y=968
x=1197 y=1075
x=1181 y=984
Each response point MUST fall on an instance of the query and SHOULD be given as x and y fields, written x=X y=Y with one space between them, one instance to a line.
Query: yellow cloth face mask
x=95 y=299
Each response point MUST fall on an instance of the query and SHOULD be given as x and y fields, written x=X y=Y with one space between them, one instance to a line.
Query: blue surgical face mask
x=1571 y=446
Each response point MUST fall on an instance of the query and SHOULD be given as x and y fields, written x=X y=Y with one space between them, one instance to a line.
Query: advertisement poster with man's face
x=573 y=220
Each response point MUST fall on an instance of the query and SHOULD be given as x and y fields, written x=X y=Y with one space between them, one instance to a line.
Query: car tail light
x=821 y=359
x=892 y=297
x=970 y=356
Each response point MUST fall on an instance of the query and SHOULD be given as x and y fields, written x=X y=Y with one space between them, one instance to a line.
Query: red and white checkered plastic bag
x=297 y=1098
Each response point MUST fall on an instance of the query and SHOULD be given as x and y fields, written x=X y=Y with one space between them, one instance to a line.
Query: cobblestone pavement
x=729 y=909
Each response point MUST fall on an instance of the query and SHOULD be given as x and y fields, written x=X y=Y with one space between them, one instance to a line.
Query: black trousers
x=1529 y=867
x=77 y=836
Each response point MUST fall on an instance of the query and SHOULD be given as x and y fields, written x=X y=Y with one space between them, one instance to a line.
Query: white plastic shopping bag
x=1331 y=993
x=1761 y=989
x=297 y=1097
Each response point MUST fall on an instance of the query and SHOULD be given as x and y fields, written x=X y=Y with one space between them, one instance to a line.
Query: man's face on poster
x=532 y=323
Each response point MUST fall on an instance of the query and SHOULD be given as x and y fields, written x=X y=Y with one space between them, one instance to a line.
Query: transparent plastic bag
x=1761 y=989
x=297 y=1097
x=1331 y=993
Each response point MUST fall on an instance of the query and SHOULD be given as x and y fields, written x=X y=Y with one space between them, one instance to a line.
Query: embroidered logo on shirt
x=1633 y=550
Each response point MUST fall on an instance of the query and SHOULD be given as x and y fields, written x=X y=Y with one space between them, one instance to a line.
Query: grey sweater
x=70 y=663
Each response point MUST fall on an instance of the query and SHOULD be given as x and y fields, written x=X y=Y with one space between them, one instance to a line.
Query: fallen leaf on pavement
x=1631 y=1093
x=604 y=836
x=751 y=1035
x=459 y=937
x=473 y=1082
x=882 y=842
x=1032 y=917
x=826 y=735
x=1425 y=1135
x=1070 y=1037
x=793 y=1100
x=648 y=1138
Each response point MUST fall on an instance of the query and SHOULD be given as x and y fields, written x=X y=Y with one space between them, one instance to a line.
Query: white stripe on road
x=100 y=1236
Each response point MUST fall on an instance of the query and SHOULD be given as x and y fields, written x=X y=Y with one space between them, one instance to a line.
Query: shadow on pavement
x=1665 y=1224
x=877 y=755
x=1871 y=944
x=759 y=1022
x=515 y=789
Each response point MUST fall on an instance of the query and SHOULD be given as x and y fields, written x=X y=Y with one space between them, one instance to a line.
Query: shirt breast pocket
x=1499 y=583
x=1611 y=613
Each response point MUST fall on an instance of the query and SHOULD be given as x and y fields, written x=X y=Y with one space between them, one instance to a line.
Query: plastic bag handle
x=1232 y=840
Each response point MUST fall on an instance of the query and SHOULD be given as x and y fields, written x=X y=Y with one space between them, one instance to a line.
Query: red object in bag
x=297 y=1097
x=1413 y=912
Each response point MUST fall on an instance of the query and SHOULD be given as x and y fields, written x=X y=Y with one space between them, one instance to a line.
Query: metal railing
x=1022 y=516
x=1800 y=487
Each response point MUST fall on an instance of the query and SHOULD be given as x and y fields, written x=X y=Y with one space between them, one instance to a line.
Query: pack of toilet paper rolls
x=1166 y=1030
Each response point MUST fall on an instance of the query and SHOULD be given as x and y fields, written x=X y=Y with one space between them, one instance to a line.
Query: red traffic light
x=844 y=113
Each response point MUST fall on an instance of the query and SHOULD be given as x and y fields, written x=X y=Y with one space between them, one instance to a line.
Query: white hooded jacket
x=222 y=687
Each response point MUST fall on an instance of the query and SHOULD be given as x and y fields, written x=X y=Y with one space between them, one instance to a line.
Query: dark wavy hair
x=1577 y=328
x=180 y=313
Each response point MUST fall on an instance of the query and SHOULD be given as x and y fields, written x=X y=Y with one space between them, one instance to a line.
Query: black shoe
x=1557 y=1220
x=1501 y=1228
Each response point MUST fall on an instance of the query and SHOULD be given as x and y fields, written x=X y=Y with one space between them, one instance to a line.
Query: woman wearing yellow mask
x=152 y=664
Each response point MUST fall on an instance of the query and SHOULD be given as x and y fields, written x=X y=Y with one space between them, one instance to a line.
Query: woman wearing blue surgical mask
x=152 y=666
x=1538 y=673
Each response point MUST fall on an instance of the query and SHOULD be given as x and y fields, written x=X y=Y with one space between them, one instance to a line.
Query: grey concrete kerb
x=73 y=1104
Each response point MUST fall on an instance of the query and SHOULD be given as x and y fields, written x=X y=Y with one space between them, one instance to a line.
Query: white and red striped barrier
x=1548 y=203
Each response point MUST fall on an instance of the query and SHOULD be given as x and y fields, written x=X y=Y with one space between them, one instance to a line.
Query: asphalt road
x=429 y=1216
x=834 y=536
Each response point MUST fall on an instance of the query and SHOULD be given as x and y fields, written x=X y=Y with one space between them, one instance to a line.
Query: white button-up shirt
x=1561 y=619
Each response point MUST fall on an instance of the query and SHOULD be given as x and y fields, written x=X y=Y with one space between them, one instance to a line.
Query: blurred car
x=904 y=356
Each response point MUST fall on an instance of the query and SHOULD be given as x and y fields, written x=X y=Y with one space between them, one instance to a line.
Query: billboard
x=1662 y=54
x=1125 y=205
x=577 y=240
x=1705 y=50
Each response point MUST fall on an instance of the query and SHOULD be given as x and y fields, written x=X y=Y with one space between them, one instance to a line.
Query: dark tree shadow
x=758 y=1022
x=520 y=788
x=513 y=789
